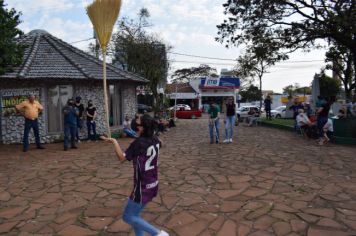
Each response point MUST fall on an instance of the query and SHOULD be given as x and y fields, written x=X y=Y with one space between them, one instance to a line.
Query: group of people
x=162 y=121
x=73 y=114
x=315 y=124
x=214 y=121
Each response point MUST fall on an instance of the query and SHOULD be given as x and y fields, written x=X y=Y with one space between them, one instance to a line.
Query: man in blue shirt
x=71 y=114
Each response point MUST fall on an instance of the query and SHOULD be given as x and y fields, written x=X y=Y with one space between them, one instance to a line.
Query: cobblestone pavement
x=268 y=182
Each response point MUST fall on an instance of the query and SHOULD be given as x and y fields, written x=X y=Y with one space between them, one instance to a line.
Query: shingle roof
x=181 y=88
x=48 y=57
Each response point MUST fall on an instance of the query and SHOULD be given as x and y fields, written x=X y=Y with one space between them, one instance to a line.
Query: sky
x=188 y=26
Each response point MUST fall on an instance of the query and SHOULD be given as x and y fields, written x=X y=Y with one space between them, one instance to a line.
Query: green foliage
x=140 y=52
x=341 y=61
x=251 y=94
x=329 y=87
x=186 y=74
x=291 y=25
x=11 y=52
x=292 y=90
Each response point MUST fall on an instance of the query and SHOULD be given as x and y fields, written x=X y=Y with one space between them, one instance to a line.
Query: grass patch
x=285 y=122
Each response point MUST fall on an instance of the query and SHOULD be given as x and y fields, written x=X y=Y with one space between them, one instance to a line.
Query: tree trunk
x=260 y=77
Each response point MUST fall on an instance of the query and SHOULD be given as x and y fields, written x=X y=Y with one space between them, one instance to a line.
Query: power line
x=190 y=55
x=201 y=62
x=212 y=58
x=234 y=60
x=83 y=40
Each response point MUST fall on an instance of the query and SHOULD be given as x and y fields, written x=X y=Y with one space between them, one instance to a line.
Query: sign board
x=13 y=97
x=212 y=82
x=219 y=83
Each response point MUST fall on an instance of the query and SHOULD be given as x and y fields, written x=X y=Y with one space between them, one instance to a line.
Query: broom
x=103 y=15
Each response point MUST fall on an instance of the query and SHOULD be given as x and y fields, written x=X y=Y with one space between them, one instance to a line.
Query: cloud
x=33 y=7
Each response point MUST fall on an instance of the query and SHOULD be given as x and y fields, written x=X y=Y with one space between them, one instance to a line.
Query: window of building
x=57 y=98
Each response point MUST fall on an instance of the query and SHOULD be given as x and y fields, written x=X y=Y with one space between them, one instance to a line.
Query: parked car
x=187 y=114
x=279 y=112
x=180 y=106
x=242 y=112
x=142 y=108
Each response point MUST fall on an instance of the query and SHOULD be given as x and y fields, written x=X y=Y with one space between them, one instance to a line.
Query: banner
x=13 y=97
x=219 y=83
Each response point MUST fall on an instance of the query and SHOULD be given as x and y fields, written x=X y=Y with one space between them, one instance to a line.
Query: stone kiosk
x=54 y=71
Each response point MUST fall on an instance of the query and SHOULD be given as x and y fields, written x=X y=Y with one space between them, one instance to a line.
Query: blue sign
x=222 y=82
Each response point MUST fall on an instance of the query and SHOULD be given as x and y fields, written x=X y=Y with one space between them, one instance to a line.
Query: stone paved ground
x=268 y=182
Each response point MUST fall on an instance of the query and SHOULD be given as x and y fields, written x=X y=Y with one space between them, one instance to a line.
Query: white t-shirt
x=302 y=119
x=127 y=124
x=329 y=126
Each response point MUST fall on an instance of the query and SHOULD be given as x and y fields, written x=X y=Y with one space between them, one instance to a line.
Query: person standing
x=91 y=125
x=144 y=155
x=230 y=120
x=323 y=114
x=29 y=110
x=70 y=113
x=214 y=123
x=295 y=107
x=80 y=108
x=267 y=103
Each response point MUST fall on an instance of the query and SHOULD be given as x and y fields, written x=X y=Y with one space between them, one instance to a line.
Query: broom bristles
x=103 y=15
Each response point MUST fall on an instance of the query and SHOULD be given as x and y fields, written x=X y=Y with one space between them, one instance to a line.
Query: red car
x=187 y=114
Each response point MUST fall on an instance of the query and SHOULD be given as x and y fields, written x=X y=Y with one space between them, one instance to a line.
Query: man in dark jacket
x=70 y=113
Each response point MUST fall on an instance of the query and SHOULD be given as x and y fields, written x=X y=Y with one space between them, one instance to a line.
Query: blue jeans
x=69 y=130
x=133 y=218
x=321 y=122
x=79 y=127
x=91 y=126
x=28 y=125
x=229 y=126
x=130 y=133
x=215 y=125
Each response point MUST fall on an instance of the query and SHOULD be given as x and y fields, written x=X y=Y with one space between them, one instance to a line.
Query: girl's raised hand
x=106 y=139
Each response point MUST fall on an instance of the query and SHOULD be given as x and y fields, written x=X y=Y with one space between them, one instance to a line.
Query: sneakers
x=162 y=233
x=229 y=140
x=321 y=142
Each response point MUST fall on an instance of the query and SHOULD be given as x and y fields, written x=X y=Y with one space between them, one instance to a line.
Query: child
x=143 y=152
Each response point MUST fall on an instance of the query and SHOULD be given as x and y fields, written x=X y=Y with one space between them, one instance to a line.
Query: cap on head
x=78 y=99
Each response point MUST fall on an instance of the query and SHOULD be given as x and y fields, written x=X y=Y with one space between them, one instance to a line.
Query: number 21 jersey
x=143 y=152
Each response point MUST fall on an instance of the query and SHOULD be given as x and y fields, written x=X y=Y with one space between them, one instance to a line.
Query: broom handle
x=106 y=95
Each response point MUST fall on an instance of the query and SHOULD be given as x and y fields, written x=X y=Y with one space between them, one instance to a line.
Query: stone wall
x=12 y=126
x=95 y=93
x=129 y=100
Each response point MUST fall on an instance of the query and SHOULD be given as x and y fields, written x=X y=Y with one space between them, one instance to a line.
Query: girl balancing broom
x=143 y=152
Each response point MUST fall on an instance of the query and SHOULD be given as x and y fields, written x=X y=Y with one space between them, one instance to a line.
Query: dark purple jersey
x=143 y=153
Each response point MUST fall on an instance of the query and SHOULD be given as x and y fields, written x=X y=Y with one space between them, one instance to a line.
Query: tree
x=11 y=52
x=140 y=52
x=292 y=90
x=258 y=59
x=186 y=74
x=291 y=24
x=251 y=94
x=329 y=87
x=340 y=61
